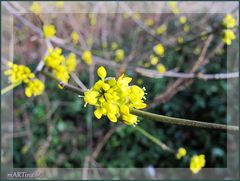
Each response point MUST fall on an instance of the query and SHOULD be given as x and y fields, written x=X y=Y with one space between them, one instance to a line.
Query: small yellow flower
x=114 y=98
x=71 y=62
x=161 y=68
x=59 y=4
x=182 y=19
x=102 y=72
x=136 y=16
x=49 y=31
x=149 y=22
x=154 y=60
x=161 y=29
x=92 y=19
x=197 y=163
x=114 y=45
x=229 y=21
x=87 y=57
x=173 y=7
x=228 y=36
x=181 y=153
x=34 y=87
x=36 y=8
x=159 y=49
x=75 y=37
x=180 y=40
x=119 y=54
x=186 y=28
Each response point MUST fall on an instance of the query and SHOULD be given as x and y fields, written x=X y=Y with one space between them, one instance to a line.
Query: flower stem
x=154 y=139
x=183 y=122
x=10 y=87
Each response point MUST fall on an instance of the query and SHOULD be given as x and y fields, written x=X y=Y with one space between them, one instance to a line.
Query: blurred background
x=55 y=130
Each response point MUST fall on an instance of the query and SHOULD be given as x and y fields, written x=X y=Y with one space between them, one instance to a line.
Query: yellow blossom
x=92 y=19
x=173 y=7
x=180 y=40
x=228 y=36
x=159 y=49
x=161 y=68
x=54 y=58
x=71 y=62
x=18 y=73
x=49 y=31
x=36 y=8
x=74 y=37
x=197 y=163
x=161 y=29
x=154 y=60
x=114 y=45
x=183 y=19
x=181 y=153
x=59 y=4
x=136 y=16
x=119 y=54
x=186 y=28
x=229 y=21
x=114 y=98
x=149 y=22
x=87 y=57
x=34 y=87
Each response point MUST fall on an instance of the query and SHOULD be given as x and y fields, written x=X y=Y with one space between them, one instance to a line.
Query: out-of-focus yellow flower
x=173 y=7
x=183 y=19
x=228 y=36
x=36 y=8
x=159 y=49
x=34 y=87
x=186 y=28
x=104 y=44
x=114 y=45
x=181 y=153
x=125 y=15
x=197 y=51
x=87 y=57
x=59 y=4
x=229 y=21
x=197 y=163
x=92 y=19
x=161 y=68
x=75 y=37
x=180 y=40
x=161 y=29
x=149 y=22
x=146 y=64
x=119 y=54
x=114 y=98
x=136 y=16
x=18 y=73
x=71 y=62
x=154 y=60
x=49 y=31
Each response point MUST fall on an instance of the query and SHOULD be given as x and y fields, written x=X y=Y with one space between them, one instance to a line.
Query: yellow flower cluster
x=159 y=49
x=87 y=57
x=114 y=98
x=34 y=87
x=92 y=19
x=229 y=21
x=114 y=45
x=36 y=8
x=20 y=73
x=197 y=163
x=173 y=7
x=228 y=35
x=182 y=19
x=49 y=31
x=149 y=22
x=59 y=65
x=74 y=37
x=181 y=153
x=161 y=68
x=119 y=55
x=161 y=29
